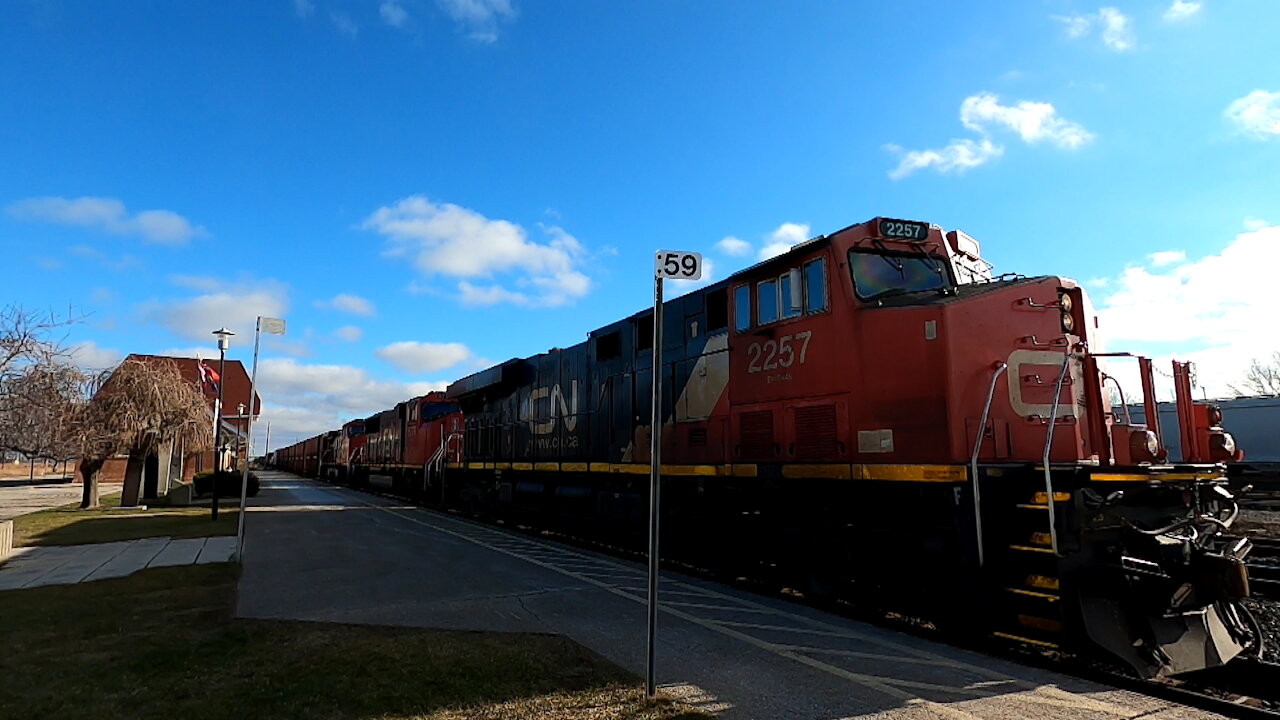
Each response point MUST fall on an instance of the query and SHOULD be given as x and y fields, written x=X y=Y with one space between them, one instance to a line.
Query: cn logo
x=560 y=408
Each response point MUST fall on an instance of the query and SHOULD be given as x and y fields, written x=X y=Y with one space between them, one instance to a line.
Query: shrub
x=228 y=484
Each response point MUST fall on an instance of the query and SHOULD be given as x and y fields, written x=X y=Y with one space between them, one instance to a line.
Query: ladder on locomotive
x=1026 y=570
x=1025 y=564
x=433 y=471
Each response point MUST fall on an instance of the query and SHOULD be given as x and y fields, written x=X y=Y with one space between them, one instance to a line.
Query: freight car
x=872 y=415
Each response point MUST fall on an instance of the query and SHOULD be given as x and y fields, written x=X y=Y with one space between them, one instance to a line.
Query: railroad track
x=1245 y=689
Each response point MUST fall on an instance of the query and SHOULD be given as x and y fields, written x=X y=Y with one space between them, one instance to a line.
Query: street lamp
x=224 y=342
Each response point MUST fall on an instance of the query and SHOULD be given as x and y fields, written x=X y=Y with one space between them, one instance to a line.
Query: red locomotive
x=871 y=416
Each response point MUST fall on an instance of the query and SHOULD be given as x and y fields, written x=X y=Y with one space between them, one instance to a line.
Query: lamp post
x=224 y=342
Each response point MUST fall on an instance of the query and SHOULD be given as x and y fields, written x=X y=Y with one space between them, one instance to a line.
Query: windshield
x=875 y=274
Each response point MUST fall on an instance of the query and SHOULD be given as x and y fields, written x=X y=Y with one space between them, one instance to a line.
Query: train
x=872 y=416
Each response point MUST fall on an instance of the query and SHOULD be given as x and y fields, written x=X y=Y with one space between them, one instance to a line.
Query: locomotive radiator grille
x=815 y=433
x=757 y=433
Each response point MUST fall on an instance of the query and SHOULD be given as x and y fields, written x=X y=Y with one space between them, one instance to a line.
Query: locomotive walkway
x=315 y=552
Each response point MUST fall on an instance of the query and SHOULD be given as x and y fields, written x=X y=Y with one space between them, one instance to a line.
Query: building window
x=815 y=286
x=742 y=308
x=767 y=302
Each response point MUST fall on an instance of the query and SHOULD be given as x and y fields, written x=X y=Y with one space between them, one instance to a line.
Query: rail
x=1000 y=368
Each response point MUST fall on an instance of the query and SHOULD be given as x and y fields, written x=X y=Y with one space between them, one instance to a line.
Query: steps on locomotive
x=1022 y=565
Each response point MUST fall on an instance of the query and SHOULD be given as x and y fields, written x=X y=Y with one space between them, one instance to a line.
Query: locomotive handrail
x=973 y=459
x=1128 y=418
x=1048 y=446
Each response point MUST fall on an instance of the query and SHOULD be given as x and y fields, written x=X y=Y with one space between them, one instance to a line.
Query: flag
x=271 y=326
x=209 y=377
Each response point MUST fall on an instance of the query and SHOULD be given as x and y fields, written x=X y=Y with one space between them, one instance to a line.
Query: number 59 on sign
x=678 y=265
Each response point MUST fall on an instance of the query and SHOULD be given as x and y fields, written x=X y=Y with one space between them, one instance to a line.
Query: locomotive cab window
x=878 y=275
x=789 y=299
x=742 y=308
x=644 y=333
x=815 y=286
x=767 y=302
x=609 y=346
x=717 y=310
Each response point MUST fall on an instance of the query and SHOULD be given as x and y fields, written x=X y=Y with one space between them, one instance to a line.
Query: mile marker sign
x=678 y=265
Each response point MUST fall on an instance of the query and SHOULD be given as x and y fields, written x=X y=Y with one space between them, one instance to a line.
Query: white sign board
x=678 y=265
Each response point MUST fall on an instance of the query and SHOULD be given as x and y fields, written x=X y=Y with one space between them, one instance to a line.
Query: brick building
x=173 y=464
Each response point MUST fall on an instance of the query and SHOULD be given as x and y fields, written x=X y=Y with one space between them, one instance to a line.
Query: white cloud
x=479 y=19
x=203 y=283
x=393 y=13
x=344 y=23
x=108 y=215
x=348 y=303
x=423 y=357
x=782 y=239
x=349 y=333
x=1181 y=10
x=1253 y=223
x=308 y=399
x=304 y=8
x=1034 y=122
x=1116 y=30
x=958 y=156
x=734 y=246
x=1075 y=25
x=445 y=239
x=1256 y=114
x=1167 y=257
x=235 y=306
x=1116 y=27
x=1216 y=307
x=89 y=356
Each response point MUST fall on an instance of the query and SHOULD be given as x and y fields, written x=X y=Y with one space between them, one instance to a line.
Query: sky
x=424 y=187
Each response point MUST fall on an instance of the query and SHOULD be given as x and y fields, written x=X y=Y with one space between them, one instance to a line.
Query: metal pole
x=655 y=481
x=217 y=429
x=248 y=443
x=266 y=447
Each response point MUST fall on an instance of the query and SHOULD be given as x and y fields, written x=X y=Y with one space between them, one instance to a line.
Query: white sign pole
x=680 y=266
x=275 y=327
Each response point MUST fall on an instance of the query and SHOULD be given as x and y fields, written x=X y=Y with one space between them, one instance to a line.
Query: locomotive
x=870 y=416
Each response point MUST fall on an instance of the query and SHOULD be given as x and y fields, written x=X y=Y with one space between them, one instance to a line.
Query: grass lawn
x=69 y=525
x=162 y=644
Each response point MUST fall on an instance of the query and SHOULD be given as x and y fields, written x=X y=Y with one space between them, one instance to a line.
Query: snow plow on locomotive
x=873 y=416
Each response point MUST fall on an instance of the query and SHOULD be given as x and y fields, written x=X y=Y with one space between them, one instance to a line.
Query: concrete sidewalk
x=30 y=567
x=316 y=552
x=20 y=499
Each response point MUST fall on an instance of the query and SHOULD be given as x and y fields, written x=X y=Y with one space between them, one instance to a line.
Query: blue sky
x=422 y=187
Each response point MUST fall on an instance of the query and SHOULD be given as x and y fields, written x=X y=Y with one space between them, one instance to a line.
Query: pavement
x=20 y=499
x=316 y=552
x=30 y=567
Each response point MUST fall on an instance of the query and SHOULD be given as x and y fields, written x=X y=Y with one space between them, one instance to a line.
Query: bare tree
x=35 y=409
x=138 y=407
x=1263 y=378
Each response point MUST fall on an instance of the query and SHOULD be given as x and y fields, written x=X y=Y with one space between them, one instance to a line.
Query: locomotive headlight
x=1064 y=302
x=1222 y=446
x=1144 y=446
x=1215 y=416
x=1068 y=322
